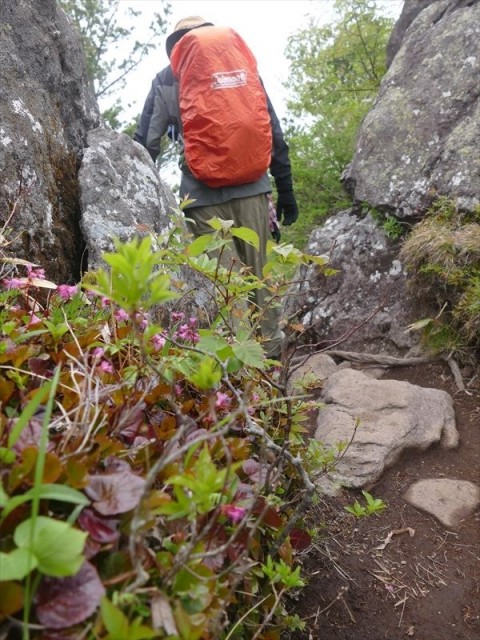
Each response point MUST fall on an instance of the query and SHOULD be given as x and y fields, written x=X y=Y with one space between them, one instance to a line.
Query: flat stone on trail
x=384 y=418
x=312 y=373
x=450 y=501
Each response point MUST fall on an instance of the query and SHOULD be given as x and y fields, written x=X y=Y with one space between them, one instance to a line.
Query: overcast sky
x=265 y=25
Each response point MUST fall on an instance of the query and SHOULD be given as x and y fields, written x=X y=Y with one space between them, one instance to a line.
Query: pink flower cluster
x=98 y=354
x=187 y=332
x=235 y=514
x=66 y=292
x=223 y=401
x=158 y=341
x=36 y=273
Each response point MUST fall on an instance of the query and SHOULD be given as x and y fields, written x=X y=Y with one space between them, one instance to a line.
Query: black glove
x=286 y=204
x=276 y=235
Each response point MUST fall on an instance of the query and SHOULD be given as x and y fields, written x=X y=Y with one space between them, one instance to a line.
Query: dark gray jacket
x=161 y=110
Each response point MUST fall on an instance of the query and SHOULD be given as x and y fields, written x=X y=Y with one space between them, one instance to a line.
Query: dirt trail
x=425 y=583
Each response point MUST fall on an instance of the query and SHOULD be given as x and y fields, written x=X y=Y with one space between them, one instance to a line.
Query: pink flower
x=105 y=366
x=33 y=272
x=223 y=401
x=178 y=316
x=66 y=292
x=33 y=320
x=141 y=321
x=98 y=352
x=234 y=513
x=14 y=283
x=178 y=389
x=121 y=315
x=105 y=302
x=158 y=342
x=187 y=332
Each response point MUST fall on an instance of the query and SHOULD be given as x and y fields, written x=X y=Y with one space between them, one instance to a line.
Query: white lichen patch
x=22 y=110
x=446 y=94
x=396 y=268
x=470 y=61
x=306 y=318
x=4 y=138
x=375 y=277
x=48 y=215
x=457 y=179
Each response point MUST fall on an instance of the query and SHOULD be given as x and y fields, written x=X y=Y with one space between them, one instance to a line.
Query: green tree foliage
x=335 y=75
x=108 y=35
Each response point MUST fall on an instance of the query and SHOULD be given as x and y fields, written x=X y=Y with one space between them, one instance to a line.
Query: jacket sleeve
x=280 y=165
x=140 y=134
x=158 y=124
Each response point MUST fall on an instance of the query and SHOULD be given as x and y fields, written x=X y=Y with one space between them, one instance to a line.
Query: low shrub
x=154 y=477
x=442 y=254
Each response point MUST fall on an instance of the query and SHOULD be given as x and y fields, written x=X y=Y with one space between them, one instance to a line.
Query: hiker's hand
x=287 y=209
x=276 y=235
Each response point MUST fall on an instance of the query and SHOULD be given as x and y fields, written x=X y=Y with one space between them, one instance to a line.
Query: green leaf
x=3 y=496
x=212 y=343
x=57 y=546
x=47 y=492
x=27 y=413
x=140 y=631
x=247 y=235
x=219 y=225
x=207 y=375
x=250 y=353
x=200 y=245
x=16 y=565
x=114 y=620
x=7 y=456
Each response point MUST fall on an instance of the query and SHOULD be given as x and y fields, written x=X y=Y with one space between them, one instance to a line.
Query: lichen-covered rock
x=121 y=193
x=365 y=304
x=410 y=10
x=46 y=108
x=122 y=196
x=420 y=140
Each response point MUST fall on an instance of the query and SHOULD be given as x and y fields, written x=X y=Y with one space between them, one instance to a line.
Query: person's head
x=182 y=27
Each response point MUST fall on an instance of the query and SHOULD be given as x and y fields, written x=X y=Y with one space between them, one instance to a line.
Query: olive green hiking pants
x=253 y=213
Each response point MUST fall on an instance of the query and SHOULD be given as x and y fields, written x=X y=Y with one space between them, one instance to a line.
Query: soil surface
x=425 y=583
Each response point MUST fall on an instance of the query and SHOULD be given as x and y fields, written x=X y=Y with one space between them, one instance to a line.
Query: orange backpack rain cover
x=226 y=125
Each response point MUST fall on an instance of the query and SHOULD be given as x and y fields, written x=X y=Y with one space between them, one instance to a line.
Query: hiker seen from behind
x=211 y=99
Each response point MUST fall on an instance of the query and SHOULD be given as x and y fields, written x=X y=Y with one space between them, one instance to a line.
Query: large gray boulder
x=122 y=196
x=46 y=108
x=410 y=10
x=420 y=140
x=380 y=419
x=365 y=305
x=121 y=193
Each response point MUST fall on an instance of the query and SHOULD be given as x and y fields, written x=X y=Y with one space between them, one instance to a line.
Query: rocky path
x=414 y=570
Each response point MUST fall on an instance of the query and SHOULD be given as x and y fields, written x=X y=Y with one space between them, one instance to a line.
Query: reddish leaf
x=91 y=548
x=256 y=472
x=30 y=436
x=63 y=602
x=103 y=530
x=269 y=516
x=115 y=492
x=300 y=539
x=40 y=366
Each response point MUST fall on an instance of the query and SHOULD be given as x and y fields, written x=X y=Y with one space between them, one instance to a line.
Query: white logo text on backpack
x=229 y=79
